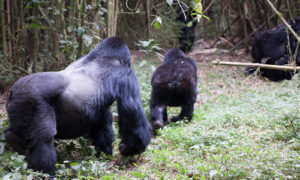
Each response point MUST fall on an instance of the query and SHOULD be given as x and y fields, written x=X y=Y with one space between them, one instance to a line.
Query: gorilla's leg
x=165 y=115
x=15 y=141
x=158 y=114
x=42 y=157
x=186 y=112
x=103 y=135
x=41 y=131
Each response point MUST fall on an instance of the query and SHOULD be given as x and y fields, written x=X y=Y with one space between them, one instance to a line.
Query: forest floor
x=242 y=128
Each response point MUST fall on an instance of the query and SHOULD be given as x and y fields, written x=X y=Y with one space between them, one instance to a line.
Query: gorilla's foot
x=157 y=125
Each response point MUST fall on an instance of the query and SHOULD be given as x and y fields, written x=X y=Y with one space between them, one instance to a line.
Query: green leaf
x=198 y=7
x=156 y=25
x=170 y=2
x=206 y=17
x=33 y=25
x=87 y=40
x=43 y=27
x=80 y=31
x=138 y=175
x=97 y=37
x=106 y=178
x=75 y=166
x=190 y=24
x=70 y=28
x=36 y=4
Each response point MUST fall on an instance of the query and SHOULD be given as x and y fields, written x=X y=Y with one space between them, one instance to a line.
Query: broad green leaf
x=198 y=7
x=156 y=25
x=87 y=40
x=80 y=31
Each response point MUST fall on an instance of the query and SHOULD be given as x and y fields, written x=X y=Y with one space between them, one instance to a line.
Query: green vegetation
x=243 y=127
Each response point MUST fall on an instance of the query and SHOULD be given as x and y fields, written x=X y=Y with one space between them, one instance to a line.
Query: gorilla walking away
x=174 y=83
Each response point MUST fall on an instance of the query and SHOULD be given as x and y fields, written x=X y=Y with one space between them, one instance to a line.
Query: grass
x=243 y=128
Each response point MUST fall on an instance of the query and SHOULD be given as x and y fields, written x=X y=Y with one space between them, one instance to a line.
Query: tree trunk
x=112 y=17
x=3 y=32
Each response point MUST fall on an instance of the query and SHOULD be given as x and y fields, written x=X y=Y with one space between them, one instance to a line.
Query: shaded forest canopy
x=44 y=35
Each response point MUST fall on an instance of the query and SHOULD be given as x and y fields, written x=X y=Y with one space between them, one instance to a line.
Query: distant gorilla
x=75 y=102
x=270 y=47
x=187 y=33
x=277 y=75
x=174 y=83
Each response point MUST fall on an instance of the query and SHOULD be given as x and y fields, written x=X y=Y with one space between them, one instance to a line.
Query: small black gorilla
x=270 y=47
x=75 y=102
x=174 y=83
x=187 y=33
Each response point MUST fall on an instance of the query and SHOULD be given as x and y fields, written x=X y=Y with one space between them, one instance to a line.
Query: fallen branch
x=266 y=66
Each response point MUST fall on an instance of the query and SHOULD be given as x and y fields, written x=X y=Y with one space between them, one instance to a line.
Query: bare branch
x=266 y=66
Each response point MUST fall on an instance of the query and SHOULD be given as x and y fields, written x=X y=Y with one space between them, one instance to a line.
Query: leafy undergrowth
x=243 y=127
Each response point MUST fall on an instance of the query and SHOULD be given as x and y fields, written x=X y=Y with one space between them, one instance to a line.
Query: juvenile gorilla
x=187 y=33
x=270 y=47
x=75 y=102
x=174 y=83
x=186 y=36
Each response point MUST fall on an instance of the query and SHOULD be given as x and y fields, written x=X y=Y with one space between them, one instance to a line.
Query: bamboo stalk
x=110 y=11
x=148 y=18
x=115 y=18
x=3 y=32
x=266 y=66
x=283 y=20
x=9 y=51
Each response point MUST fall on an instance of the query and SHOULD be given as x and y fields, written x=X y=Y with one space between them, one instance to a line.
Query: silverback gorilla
x=75 y=102
x=174 y=83
x=271 y=47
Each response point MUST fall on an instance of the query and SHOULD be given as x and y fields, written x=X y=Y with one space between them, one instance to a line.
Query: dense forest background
x=44 y=35
x=243 y=127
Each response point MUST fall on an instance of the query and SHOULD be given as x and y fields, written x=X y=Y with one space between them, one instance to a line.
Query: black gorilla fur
x=270 y=47
x=75 y=102
x=187 y=33
x=174 y=83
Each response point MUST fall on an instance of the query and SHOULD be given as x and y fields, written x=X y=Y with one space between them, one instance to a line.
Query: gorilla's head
x=115 y=48
x=173 y=54
x=110 y=50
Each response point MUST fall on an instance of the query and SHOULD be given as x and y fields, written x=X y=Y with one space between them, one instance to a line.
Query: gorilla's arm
x=134 y=128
